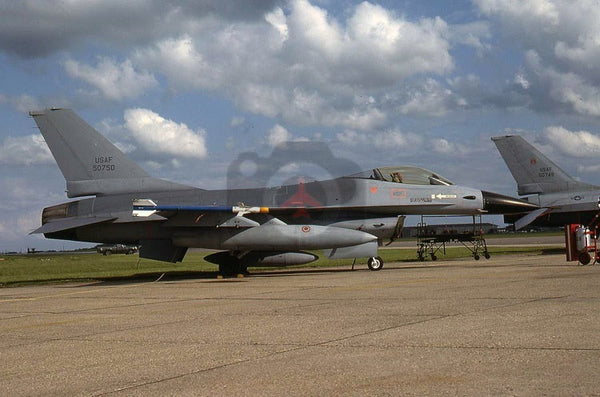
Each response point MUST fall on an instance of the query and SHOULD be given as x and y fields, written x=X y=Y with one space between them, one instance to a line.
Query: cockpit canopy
x=404 y=174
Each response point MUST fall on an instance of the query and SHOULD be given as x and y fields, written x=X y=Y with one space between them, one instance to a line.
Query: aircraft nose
x=495 y=203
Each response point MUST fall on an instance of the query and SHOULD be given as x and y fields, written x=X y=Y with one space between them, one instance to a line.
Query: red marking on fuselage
x=301 y=199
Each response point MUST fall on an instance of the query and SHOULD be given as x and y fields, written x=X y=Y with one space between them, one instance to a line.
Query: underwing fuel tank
x=295 y=237
x=264 y=258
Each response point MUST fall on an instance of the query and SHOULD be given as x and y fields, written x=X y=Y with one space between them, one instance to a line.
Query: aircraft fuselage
x=352 y=199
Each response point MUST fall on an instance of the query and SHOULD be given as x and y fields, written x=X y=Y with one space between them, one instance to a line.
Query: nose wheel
x=375 y=263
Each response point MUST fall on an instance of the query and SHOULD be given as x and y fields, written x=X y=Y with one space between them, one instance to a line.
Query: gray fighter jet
x=347 y=217
x=561 y=198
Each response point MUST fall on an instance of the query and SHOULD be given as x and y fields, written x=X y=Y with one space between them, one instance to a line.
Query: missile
x=263 y=258
x=295 y=237
x=147 y=207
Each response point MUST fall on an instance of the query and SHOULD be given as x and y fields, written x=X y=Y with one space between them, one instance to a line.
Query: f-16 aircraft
x=347 y=217
x=562 y=199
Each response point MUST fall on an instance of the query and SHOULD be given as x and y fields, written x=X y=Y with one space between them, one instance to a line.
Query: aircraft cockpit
x=404 y=174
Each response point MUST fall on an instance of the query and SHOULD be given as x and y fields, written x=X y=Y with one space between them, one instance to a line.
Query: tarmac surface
x=511 y=325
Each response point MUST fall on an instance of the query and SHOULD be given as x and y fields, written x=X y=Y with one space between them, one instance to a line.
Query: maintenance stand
x=429 y=243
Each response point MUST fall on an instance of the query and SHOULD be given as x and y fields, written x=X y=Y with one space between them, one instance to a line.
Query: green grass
x=42 y=268
x=19 y=269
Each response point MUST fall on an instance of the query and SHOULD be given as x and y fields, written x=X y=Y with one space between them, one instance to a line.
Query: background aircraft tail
x=534 y=172
x=90 y=163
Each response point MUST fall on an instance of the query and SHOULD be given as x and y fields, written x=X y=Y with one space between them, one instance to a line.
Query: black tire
x=486 y=255
x=375 y=263
x=585 y=258
x=476 y=257
x=230 y=269
x=433 y=257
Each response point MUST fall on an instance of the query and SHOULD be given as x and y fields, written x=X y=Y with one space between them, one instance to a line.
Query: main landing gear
x=234 y=269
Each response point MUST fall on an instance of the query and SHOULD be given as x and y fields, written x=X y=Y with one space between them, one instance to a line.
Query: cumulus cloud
x=305 y=65
x=541 y=13
x=159 y=135
x=300 y=62
x=566 y=89
x=382 y=140
x=25 y=150
x=443 y=146
x=237 y=121
x=429 y=99
x=278 y=135
x=521 y=80
x=472 y=34
x=30 y=29
x=115 y=81
x=574 y=143
x=562 y=55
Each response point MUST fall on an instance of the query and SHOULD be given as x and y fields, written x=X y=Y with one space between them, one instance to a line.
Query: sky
x=185 y=87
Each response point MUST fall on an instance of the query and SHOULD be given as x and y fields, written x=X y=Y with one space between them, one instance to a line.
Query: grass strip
x=51 y=268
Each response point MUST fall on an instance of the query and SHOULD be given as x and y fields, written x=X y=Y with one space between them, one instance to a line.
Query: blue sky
x=391 y=82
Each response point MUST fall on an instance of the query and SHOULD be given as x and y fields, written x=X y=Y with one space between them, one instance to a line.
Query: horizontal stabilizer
x=530 y=217
x=66 y=224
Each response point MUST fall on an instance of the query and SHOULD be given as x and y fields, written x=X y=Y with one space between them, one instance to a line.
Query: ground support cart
x=429 y=243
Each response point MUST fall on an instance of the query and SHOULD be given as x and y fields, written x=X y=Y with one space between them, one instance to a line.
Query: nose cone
x=495 y=203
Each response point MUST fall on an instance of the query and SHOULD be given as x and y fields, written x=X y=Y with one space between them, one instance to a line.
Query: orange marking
x=398 y=193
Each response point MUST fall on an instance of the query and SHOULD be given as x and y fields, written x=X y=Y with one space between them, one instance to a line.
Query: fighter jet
x=346 y=217
x=562 y=199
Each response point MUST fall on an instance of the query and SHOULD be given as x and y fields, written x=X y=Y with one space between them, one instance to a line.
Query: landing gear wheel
x=375 y=263
x=433 y=257
x=585 y=258
x=223 y=270
x=476 y=257
x=230 y=269
x=486 y=255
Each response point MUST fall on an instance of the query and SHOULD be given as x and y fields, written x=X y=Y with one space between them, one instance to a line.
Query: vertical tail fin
x=90 y=163
x=534 y=172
